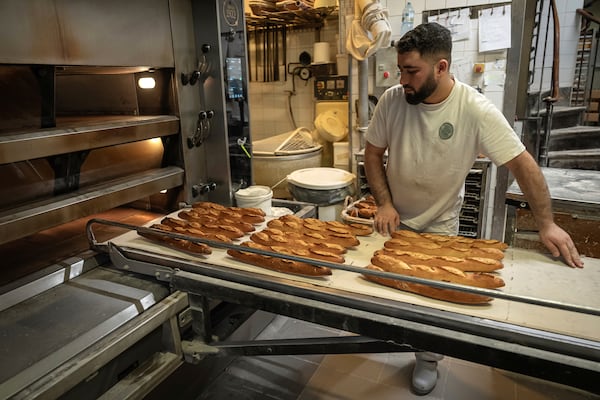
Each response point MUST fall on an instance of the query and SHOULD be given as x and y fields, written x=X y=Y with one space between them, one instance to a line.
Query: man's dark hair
x=430 y=40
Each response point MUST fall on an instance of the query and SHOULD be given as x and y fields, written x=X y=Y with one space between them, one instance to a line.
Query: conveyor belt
x=541 y=340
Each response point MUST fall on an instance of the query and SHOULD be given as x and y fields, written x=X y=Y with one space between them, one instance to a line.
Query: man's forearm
x=534 y=188
x=377 y=179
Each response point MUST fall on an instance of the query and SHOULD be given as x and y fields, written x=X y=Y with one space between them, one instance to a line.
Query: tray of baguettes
x=361 y=211
x=454 y=259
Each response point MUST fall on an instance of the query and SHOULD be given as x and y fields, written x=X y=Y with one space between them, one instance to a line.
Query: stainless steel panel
x=188 y=96
x=32 y=288
x=141 y=298
x=55 y=325
x=571 y=190
x=86 y=32
x=84 y=134
x=30 y=33
x=216 y=146
x=22 y=221
x=87 y=363
x=78 y=318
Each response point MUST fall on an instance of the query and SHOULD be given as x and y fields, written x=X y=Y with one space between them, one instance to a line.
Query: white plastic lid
x=330 y=127
x=254 y=192
x=321 y=178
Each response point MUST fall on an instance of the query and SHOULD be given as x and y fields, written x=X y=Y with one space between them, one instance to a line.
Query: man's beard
x=420 y=95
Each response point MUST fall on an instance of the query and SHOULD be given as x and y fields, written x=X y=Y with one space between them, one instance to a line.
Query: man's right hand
x=387 y=219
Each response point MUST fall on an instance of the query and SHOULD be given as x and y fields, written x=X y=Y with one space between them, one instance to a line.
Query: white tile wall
x=269 y=101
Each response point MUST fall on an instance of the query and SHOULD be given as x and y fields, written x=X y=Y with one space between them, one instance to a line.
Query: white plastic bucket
x=255 y=196
x=325 y=187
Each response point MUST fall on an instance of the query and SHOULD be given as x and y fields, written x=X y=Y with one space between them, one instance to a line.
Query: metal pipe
x=555 y=90
x=363 y=95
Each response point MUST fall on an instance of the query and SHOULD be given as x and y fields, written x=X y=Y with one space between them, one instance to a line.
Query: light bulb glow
x=147 y=82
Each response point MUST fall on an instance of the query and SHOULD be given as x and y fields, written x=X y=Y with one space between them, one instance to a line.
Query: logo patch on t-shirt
x=446 y=131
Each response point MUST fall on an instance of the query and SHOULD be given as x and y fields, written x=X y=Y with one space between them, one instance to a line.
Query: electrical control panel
x=386 y=67
x=331 y=88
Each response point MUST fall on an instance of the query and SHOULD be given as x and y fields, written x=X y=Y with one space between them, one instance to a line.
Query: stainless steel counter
x=570 y=190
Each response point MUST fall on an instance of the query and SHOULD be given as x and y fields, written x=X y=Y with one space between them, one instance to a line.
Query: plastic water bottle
x=408 y=18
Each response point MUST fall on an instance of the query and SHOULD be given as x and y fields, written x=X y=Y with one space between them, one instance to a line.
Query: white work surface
x=527 y=273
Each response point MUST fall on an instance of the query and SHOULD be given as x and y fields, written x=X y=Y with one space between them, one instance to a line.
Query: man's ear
x=442 y=65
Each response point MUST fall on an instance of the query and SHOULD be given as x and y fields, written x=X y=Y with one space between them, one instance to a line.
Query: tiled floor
x=367 y=376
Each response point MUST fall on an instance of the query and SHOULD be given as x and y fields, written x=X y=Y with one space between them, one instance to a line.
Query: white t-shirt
x=432 y=147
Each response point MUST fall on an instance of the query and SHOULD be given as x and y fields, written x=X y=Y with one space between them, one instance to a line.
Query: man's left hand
x=560 y=243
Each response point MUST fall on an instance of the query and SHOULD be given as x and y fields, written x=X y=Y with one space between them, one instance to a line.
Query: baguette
x=450 y=295
x=367 y=213
x=253 y=219
x=435 y=249
x=309 y=253
x=193 y=229
x=410 y=236
x=326 y=229
x=223 y=219
x=249 y=215
x=243 y=226
x=313 y=224
x=208 y=205
x=267 y=239
x=368 y=201
x=365 y=208
x=201 y=211
x=447 y=240
x=443 y=273
x=338 y=230
x=327 y=250
x=207 y=228
x=285 y=226
x=302 y=240
x=249 y=211
x=352 y=228
x=277 y=264
x=343 y=240
x=295 y=218
x=361 y=229
x=472 y=264
x=197 y=217
x=174 y=222
x=319 y=228
x=217 y=237
x=314 y=232
x=329 y=247
x=176 y=243
x=286 y=234
x=466 y=242
x=230 y=231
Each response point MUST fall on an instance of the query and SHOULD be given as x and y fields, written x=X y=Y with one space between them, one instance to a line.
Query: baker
x=433 y=128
